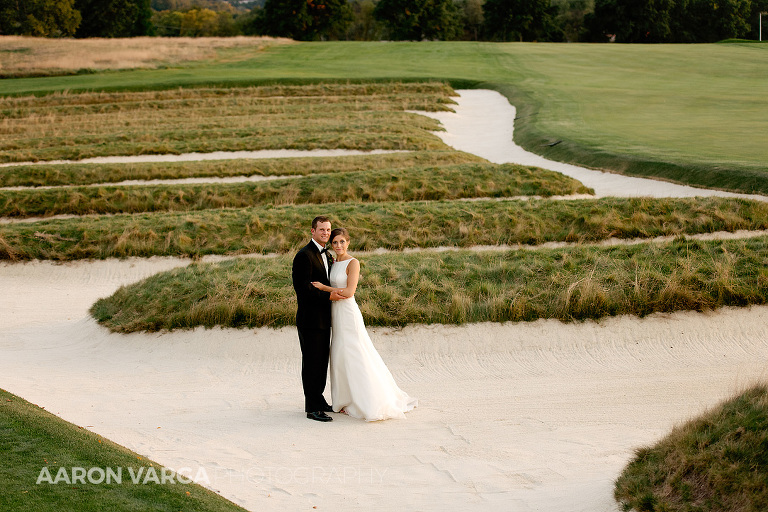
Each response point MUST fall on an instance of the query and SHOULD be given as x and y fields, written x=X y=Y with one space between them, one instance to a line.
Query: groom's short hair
x=317 y=220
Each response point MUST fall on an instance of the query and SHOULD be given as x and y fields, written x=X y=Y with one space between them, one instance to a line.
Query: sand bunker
x=532 y=416
x=537 y=416
x=215 y=155
x=483 y=125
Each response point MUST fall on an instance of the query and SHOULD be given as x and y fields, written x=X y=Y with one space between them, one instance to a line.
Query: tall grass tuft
x=716 y=462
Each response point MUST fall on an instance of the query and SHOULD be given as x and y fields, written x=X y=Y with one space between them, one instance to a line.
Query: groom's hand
x=335 y=295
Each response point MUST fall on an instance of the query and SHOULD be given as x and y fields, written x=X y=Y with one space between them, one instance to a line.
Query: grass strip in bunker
x=411 y=184
x=92 y=173
x=391 y=225
x=455 y=287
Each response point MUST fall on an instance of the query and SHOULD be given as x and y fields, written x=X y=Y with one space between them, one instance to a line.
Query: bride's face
x=339 y=244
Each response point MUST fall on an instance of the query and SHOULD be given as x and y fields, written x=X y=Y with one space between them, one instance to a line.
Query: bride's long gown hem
x=361 y=384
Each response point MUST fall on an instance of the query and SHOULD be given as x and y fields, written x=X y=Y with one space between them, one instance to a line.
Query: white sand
x=215 y=155
x=178 y=181
x=536 y=416
x=533 y=416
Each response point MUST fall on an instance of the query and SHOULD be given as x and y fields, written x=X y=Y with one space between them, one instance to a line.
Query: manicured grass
x=32 y=439
x=688 y=113
x=717 y=462
x=457 y=287
x=683 y=113
x=76 y=126
x=410 y=184
x=282 y=229
x=86 y=174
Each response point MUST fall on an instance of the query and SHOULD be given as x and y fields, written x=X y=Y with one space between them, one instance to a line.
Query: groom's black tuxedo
x=313 y=320
x=314 y=306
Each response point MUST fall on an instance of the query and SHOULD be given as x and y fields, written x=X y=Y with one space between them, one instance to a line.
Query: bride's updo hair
x=340 y=231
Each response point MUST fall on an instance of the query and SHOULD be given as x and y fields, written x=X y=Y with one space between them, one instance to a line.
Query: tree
x=472 y=18
x=631 y=21
x=114 y=18
x=669 y=21
x=195 y=23
x=41 y=18
x=416 y=20
x=226 y=25
x=305 y=20
x=199 y=23
x=364 y=26
x=167 y=23
x=709 y=21
x=570 y=17
x=521 y=20
x=188 y=5
x=249 y=23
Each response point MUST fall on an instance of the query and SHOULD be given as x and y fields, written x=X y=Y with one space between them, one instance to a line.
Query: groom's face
x=322 y=232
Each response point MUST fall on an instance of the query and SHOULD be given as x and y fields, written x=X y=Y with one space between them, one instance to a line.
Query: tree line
x=626 y=21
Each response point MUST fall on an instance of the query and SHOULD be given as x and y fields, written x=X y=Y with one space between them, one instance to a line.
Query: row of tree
x=631 y=21
x=674 y=21
x=78 y=18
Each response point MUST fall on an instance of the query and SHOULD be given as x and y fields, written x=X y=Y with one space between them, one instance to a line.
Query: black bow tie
x=324 y=249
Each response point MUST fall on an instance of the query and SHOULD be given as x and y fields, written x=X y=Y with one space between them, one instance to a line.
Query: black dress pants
x=315 y=351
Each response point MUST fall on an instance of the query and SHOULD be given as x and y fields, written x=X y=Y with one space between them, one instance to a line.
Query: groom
x=313 y=317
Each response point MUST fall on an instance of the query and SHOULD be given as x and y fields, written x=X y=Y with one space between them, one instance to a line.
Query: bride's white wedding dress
x=361 y=384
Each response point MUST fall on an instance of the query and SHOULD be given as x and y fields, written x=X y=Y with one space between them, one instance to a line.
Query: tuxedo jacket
x=314 y=306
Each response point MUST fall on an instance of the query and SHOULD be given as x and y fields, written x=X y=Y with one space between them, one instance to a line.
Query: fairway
x=693 y=114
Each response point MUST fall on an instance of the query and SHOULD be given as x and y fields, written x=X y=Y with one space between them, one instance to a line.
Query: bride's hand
x=321 y=286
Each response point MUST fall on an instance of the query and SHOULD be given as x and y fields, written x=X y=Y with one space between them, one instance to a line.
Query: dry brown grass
x=37 y=55
x=76 y=126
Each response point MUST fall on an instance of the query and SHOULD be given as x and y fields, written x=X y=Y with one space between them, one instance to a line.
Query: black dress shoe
x=328 y=408
x=319 y=416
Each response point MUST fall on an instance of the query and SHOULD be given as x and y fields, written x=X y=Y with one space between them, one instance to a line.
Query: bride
x=361 y=384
